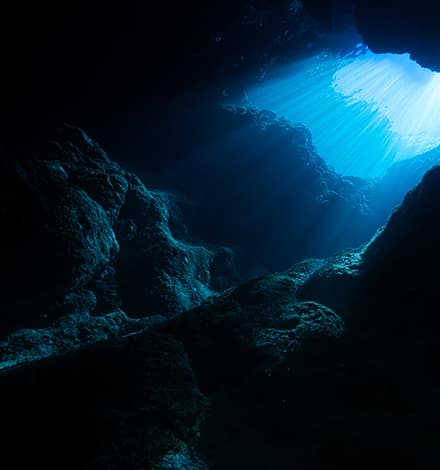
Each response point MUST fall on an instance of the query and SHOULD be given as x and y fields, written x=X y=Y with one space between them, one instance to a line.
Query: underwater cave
x=221 y=235
x=365 y=111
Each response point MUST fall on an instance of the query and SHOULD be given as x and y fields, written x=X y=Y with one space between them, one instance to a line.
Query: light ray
x=365 y=110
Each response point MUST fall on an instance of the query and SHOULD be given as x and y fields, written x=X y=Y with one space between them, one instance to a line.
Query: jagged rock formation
x=398 y=265
x=263 y=325
x=114 y=350
x=253 y=181
x=85 y=235
x=142 y=405
x=386 y=293
x=273 y=174
x=381 y=379
x=100 y=241
x=329 y=363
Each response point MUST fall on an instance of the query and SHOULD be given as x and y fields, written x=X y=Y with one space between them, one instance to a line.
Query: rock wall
x=333 y=362
x=84 y=234
x=253 y=181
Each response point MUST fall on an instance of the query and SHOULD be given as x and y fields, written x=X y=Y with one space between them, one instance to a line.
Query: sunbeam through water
x=365 y=110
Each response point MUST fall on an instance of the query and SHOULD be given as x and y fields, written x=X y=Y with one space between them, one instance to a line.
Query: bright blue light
x=365 y=111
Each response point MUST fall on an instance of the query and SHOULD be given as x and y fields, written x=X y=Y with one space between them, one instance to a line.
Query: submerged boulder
x=155 y=271
x=114 y=392
x=57 y=239
x=128 y=403
x=76 y=220
x=261 y=322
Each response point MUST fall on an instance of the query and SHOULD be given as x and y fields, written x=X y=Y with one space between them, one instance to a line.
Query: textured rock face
x=133 y=387
x=132 y=384
x=386 y=292
x=67 y=335
x=58 y=238
x=122 y=406
x=263 y=325
x=156 y=271
x=281 y=202
x=77 y=221
x=333 y=362
x=397 y=266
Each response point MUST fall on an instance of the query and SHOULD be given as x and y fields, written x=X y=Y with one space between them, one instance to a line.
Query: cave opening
x=365 y=111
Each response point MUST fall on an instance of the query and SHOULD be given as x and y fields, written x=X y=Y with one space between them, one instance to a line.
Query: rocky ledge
x=117 y=352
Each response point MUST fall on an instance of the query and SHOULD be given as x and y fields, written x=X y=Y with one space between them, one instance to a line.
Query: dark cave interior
x=187 y=282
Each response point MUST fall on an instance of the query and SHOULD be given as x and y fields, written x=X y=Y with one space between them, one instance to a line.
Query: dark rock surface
x=398 y=265
x=125 y=405
x=115 y=352
x=130 y=383
x=84 y=234
x=386 y=293
x=261 y=323
x=281 y=202
x=331 y=363
x=67 y=335
x=127 y=393
x=394 y=26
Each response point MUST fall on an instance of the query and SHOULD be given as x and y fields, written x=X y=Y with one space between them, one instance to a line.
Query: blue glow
x=365 y=110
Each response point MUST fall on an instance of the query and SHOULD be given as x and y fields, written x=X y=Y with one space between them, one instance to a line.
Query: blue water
x=365 y=110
